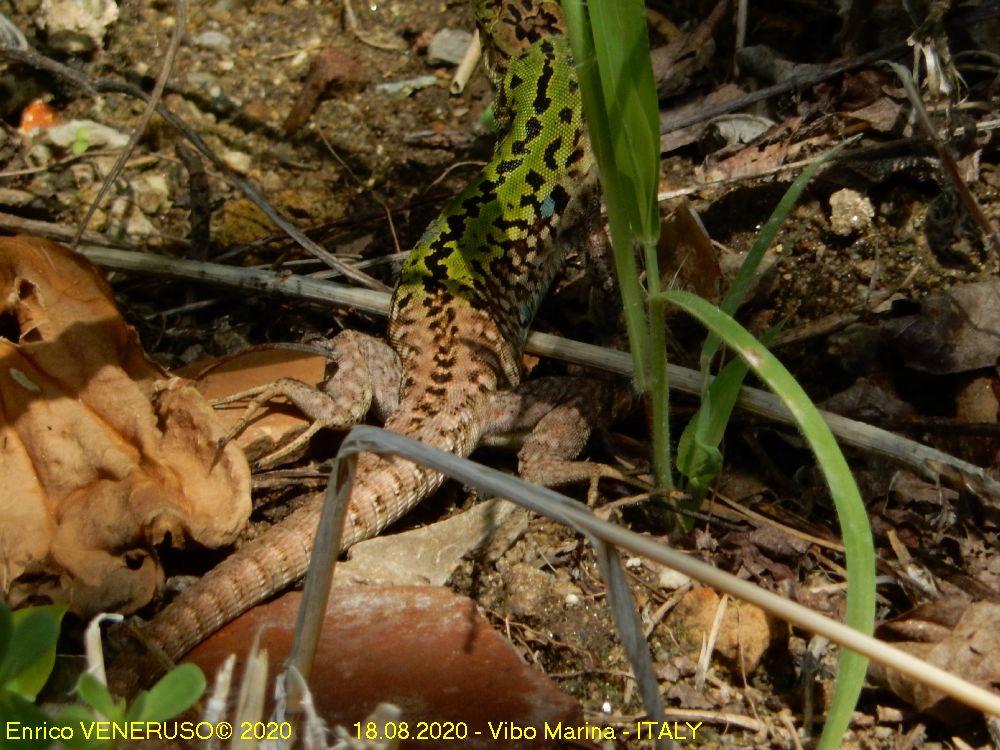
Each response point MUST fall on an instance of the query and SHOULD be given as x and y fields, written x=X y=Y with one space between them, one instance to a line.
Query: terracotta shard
x=422 y=648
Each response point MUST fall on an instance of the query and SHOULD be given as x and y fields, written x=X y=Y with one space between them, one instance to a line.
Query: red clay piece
x=422 y=648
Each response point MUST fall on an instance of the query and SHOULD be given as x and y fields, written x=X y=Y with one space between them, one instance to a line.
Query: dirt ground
x=842 y=297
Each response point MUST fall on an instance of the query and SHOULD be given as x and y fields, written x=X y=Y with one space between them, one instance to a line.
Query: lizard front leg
x=366 y=376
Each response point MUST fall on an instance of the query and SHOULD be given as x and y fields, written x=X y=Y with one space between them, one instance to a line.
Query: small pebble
x=82 y=174
x=15 y=197
x=448 y=46
x=214 y=40
x=237 y=161
x=407 y=86
x=850 y=212
x=671 y=580
x=76 y=26
x=137 y=225
x=201 y=79
x=151 y=192
x=85 y=134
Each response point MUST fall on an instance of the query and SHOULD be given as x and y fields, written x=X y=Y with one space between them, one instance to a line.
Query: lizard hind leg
x=366 y=377
x=552 y=419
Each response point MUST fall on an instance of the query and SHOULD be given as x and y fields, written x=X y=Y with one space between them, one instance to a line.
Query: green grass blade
x=600 y=129
x=854 y=526
x=743 y=283
x=698 y=456
x=611 y=49
x=621 y=45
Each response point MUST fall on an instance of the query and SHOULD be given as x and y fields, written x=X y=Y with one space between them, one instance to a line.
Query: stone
x=426 y=555
x=213 y=40
x=744 y=636
x=15 y=197
x=80 y=135
x=237 y=161
x=850 y=212
x=406 y=86
x=76 y=26
x=151 y=192
x=138 y=226
x=202 y=79
x=448 y=46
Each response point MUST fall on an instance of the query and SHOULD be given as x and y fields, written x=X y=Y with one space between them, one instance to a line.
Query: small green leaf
x=705 y=431
x=81 y=719
x=488 y=120
x=20 y=716
x=96 y=695
x=76 y=713
x=6 y=630
x=698 y=460
x=32 y=649
x=81 y=141
x=174 y=694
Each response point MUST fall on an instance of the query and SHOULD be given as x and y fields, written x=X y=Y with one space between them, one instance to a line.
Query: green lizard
x=459 y=317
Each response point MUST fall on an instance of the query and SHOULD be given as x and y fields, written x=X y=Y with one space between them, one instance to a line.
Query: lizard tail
x=385 y=489
x=245 y=578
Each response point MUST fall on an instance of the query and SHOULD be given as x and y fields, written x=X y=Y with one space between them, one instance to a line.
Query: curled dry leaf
x=954 y=331
x=102 y=458
x=950 y=633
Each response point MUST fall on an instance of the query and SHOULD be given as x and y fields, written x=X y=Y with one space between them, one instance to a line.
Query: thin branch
x=200 y=214
x=924 y=460
x=790 y=84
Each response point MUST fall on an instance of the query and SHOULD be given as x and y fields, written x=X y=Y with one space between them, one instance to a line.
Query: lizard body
x=459 y=317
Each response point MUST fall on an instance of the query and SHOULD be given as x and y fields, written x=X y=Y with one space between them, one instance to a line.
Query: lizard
x=460 y=311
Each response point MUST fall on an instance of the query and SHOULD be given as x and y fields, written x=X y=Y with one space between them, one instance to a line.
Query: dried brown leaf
x=102 y=457
x=883 y=115
x=746 y=632
x=956 y=330
x=328 y=67
x=687 y=257
x=952 y=634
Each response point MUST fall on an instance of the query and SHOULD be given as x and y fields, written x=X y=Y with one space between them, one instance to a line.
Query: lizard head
x=508 y=27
